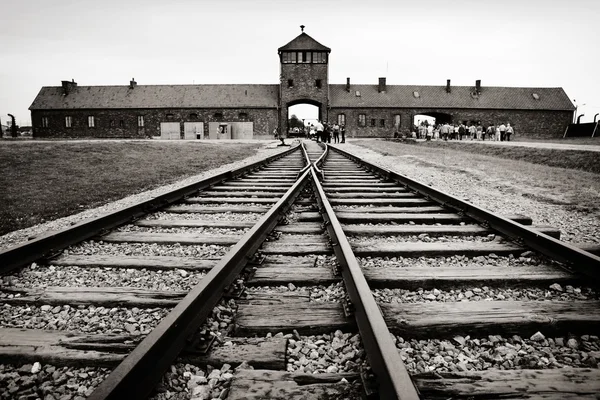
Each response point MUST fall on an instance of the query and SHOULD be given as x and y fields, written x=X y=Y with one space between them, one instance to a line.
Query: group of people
x=324 y=131
x=498 y=132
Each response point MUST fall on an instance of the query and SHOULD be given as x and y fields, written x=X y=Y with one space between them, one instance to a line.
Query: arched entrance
x=432 y=117
x=300 y=114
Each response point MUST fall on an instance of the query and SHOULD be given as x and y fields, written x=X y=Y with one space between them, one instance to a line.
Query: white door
x=193 y=130
x=170 y=130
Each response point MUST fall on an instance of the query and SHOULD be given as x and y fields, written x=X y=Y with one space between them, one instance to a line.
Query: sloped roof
x=304 y=42
x=158 y=96
x=402 y=96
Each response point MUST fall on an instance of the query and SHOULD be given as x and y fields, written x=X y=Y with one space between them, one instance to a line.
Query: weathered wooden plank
x=198 y=209
x=557 y=384
x=137 y=262
x=99 y=296
x=360 y=195
x=282 y=275
x=491 y=317
x=301 y=239
x=359 y=189
x=222 y=200
x=336 y=183
x=416 y=206
x=406 y=202
x=64 y=348
x=306 y=318
x=419 y=249
x=241 y=193
x=449 y=277
x=285 y=185
x=227 y=188
x=441 y=218
x=431 y=230
x=300 y=227
x=295 y=249
x=278 y=385
x=306 y=261
x=170 y=238
x=274 y=297
x=177 y=223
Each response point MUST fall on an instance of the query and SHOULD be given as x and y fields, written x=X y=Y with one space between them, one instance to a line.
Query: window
x=397 y=120
x=68 y=121
x=290 y=83
x=318 y=58
x=243 y=115
x=362 y=120
x=288 y=57
x=121 y=124
x=318 y=83
x=111 y=123
x=382 y=123
x=170 y=117
x=193 y=116
x=373 y=122
x=91 y=122
x=341 y=119
x=301 y=56
x=218 y=115
x=44 y=122
x=140 y=121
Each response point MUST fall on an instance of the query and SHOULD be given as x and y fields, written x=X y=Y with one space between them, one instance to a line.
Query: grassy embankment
x=41 y=181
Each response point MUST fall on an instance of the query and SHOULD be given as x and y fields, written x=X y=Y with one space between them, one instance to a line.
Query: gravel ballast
x=147 y=249
x=459 y=354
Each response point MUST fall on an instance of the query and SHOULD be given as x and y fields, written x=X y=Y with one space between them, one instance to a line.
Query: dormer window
x=416 y=94
x=357 y=94
x=535 y=96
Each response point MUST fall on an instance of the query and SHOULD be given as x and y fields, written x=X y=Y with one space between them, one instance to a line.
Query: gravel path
x=489 y=190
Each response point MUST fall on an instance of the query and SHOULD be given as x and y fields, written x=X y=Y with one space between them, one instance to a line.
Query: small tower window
x=318 y=83
x=218 y=115
x=290 y=83
x=170 y=117
x=243 y=115
x=193 y=116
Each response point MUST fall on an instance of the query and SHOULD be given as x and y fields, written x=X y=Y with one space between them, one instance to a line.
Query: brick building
x=253 y=111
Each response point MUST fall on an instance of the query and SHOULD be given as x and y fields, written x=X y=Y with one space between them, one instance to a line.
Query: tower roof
x=304 y=42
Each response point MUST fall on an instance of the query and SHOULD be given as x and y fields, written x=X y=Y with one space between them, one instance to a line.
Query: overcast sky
x=539 y=43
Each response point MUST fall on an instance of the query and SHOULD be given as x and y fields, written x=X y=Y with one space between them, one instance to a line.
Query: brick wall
x=304 y=87
x=527 y=123
x=125 y=122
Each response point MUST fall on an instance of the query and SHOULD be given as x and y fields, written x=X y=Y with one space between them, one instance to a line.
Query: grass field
x=41 y=181
x=572 y=159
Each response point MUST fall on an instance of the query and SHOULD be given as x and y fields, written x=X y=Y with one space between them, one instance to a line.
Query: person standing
x=429 y=132
x=319 y=128
x=509 y=131
x=336 y=133
x=455 y=132
x=502 y=128
x=498 y=134
x=461 y=131
x=479 y=130
x=343 y=132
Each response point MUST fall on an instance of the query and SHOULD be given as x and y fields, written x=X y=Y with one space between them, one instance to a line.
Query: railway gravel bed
x=485 y=293
x=48 y=382
x=36 y=276
x=226 y=216
x=85 y=319
x=459 y=354
x=147 y=249
x=526 y=258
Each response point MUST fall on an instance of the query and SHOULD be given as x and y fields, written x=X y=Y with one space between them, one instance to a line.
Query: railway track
x=365 y=283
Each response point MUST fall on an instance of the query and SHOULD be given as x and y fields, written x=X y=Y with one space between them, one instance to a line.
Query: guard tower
x=303 y=78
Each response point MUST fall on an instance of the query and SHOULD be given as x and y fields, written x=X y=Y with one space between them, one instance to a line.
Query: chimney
x=348 y=85
x=448 y=90
x=478 y=86
x=132 y=83
x=68 y=86
x=381 y=85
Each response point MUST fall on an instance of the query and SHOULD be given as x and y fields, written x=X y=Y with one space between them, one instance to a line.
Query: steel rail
x=392 y=376
x=142 y=369
x=580 y=260
x=50 y=243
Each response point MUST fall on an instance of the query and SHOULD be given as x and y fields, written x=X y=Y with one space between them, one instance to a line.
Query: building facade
x=254 y=111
